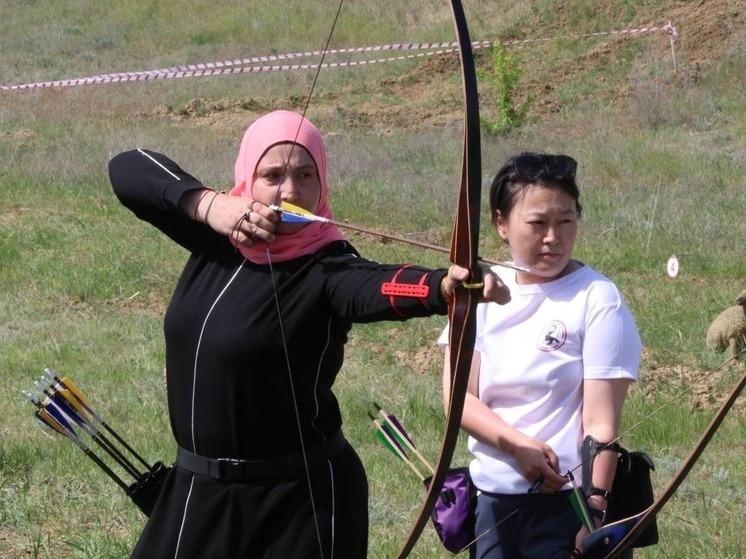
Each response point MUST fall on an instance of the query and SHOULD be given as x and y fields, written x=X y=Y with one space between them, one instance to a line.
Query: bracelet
x=209 y=207
x=205 y=192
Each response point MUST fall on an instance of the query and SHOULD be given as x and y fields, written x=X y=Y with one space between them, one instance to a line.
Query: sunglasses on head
x=534 y=166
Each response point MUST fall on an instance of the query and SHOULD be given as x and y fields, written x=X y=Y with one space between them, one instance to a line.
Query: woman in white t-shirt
x=550 y=367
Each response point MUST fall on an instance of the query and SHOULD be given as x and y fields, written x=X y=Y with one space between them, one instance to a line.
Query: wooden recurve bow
x=463 y=252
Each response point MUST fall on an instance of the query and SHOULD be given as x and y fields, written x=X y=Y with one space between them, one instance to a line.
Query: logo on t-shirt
x=553 y=336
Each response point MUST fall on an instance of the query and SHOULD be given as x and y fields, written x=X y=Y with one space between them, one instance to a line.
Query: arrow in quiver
x=62 y=407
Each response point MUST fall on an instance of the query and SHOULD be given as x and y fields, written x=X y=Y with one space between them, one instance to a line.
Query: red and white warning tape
x=249 y=65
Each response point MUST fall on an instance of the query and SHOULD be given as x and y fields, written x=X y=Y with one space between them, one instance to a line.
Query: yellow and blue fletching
x=66 y=408
x=68 y=383
x=44 y=416
x=295 y=214
x=59 y=417
x=294 y=218
x=73 y=402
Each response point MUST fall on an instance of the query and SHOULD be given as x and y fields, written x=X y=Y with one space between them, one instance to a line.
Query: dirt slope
x=428 y=96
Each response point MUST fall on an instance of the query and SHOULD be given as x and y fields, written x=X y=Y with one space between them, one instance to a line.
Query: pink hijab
x=275 y=128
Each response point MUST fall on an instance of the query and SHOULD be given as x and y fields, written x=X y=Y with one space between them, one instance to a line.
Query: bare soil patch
x=428 y=96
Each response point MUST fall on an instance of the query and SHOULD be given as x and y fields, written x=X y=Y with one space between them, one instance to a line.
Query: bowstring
x=278 y=306
x=308 y=99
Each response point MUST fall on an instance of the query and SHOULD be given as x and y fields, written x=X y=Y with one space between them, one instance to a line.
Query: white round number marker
x=672 y=266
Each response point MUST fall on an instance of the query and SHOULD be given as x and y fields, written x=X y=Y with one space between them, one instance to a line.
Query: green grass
x=84 y=285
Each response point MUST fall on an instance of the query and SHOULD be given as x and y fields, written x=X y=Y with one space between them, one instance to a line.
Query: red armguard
x=393 y=289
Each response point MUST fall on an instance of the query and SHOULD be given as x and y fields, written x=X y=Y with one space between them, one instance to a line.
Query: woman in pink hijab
x=255 y=335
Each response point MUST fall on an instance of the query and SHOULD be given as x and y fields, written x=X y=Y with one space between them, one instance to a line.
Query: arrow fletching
x=580 y=506
x=64 y=406
x=70 y=412
x=389 y=441
x=69 y=388
x=64 y=421
x=49 y=421
x=67 y=383
x=291 y=213
x=390 y=445
x=396 y=426
x=401 y=435
x=74 y=403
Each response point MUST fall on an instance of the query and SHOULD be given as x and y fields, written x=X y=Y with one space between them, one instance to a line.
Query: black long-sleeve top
x=229 y=392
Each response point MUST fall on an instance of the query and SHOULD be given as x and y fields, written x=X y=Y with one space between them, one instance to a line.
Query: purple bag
x=453 y=515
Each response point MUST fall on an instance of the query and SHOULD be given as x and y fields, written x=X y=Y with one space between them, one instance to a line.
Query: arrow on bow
x=291 y=213
x=463 y=303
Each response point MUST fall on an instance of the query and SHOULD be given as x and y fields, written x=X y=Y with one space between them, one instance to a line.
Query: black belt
x=231 y=469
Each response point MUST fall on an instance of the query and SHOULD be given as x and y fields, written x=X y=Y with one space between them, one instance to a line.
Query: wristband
x=597 y=513
x=595 y=491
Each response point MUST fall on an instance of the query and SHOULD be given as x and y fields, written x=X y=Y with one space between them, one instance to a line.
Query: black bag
x=632 y=491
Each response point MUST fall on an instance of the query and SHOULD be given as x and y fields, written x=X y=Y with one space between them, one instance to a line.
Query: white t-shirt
x=535 y=352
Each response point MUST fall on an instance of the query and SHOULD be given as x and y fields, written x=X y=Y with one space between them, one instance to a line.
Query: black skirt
x=199 y=517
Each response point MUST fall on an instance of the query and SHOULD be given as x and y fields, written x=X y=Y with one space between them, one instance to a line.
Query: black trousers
x=536 y=526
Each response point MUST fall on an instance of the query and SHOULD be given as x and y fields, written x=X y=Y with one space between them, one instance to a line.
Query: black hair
x=532 y=168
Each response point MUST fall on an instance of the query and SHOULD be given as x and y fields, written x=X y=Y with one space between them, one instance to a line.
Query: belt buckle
x=229 y=469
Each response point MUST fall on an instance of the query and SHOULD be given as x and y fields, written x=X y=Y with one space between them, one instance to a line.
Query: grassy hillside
x=658 y=129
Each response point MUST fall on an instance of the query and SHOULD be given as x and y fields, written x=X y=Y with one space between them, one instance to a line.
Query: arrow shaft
x=116 y=454
x=308 y=216
x=73 y=390
x=417 y=243
x=71 y=413
x=108 y=471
